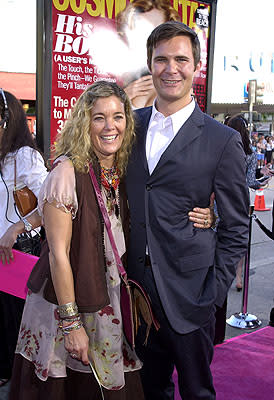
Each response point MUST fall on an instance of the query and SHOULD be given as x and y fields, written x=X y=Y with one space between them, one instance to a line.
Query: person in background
x=253 y=144
x=19 y=154
x=268 y=150
x=272 y=158
x=260 y=149
x=239 y=123
x=186 y=271
x=134 y=24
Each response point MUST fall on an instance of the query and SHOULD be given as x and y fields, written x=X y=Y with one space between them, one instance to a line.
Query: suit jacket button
x=148 y=187
x=140 y=259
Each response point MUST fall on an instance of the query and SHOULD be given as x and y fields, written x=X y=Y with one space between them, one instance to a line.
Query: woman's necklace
x=110 y=181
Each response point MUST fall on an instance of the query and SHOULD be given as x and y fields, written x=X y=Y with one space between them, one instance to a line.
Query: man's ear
x=198 y=66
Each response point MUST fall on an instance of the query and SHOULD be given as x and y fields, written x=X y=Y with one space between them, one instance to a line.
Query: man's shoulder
x=141 y=118
x=214 y=127
x=140 y=112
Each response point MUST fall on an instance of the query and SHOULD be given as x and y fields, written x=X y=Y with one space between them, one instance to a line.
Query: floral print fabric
x=41 y=341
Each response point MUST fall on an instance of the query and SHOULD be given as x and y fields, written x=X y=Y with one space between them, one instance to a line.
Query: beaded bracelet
x=72 y=327
x=74 y=318
x=68 y=323
x=67 y=310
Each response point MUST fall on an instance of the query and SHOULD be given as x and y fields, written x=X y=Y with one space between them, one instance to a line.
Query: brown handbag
x=24 y=198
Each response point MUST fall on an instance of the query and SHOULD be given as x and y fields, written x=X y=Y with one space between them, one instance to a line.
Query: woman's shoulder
x=251 y=157
x=26 y=151
x=59 y=186
x=62 y=174
x=62 y=165
x=28 y=160
x=28 y=156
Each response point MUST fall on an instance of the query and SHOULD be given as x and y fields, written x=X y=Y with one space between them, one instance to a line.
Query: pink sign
x=14 y=276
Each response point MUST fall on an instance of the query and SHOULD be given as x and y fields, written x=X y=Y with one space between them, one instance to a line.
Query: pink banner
x=14 y=276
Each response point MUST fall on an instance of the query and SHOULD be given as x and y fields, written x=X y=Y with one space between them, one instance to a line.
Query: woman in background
x=268 y=150
x=239 y=123
x=18 y=154
x=260 y=148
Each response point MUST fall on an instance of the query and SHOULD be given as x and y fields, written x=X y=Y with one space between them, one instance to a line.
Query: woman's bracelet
x=67 y=310
x=71 y=327
x=74 y=318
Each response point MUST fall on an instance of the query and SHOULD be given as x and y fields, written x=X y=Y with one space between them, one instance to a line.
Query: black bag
x=28 y=244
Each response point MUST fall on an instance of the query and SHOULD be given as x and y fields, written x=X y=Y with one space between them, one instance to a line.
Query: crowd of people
x=263 y=146
x=158 y=181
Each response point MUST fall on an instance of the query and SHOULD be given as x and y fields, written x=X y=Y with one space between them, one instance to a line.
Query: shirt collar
x=178 y=119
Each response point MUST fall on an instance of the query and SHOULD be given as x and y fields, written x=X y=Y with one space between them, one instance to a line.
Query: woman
x=260 y=148
x=239 y=123
x=17 y=153
x=268 y=150
x=85 y=323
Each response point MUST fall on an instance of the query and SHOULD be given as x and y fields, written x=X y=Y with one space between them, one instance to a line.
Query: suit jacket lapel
x=142 y=121
x=191 y=129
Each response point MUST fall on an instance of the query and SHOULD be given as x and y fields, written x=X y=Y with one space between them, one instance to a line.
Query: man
x=180 y=157
x=135 y=23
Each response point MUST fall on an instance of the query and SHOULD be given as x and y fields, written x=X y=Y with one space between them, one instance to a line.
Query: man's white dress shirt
x=162 y=130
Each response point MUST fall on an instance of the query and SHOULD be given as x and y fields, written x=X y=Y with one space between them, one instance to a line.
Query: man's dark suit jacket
x=193 y=268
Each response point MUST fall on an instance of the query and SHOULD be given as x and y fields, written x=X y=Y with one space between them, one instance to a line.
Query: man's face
x=173 y=70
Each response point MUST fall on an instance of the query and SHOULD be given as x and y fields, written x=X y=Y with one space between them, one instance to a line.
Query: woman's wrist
x=70 y=319
x=69 y=325
x=67 y=310
x=17 y=228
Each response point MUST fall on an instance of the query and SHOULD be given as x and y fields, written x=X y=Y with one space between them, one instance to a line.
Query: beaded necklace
x=110 y=181
x=110 y=177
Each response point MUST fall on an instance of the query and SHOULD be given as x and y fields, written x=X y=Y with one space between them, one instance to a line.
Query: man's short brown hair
x=168 y=31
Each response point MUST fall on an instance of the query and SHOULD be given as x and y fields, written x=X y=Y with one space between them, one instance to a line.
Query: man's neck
x=168 y=108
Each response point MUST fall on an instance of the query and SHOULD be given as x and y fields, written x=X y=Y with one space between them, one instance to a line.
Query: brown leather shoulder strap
x=15 y=173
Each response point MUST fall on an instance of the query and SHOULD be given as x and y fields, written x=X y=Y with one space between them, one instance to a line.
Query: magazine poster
x=106 y=40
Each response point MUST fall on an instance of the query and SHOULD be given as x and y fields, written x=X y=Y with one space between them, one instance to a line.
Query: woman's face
x=107 y=128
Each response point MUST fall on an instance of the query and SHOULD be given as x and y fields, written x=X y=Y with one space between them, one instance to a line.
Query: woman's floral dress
x=41 y=341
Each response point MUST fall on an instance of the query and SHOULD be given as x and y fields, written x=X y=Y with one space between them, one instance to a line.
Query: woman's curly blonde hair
x=75 y=140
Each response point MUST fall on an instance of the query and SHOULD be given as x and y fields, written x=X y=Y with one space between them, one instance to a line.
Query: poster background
x=87 y=48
